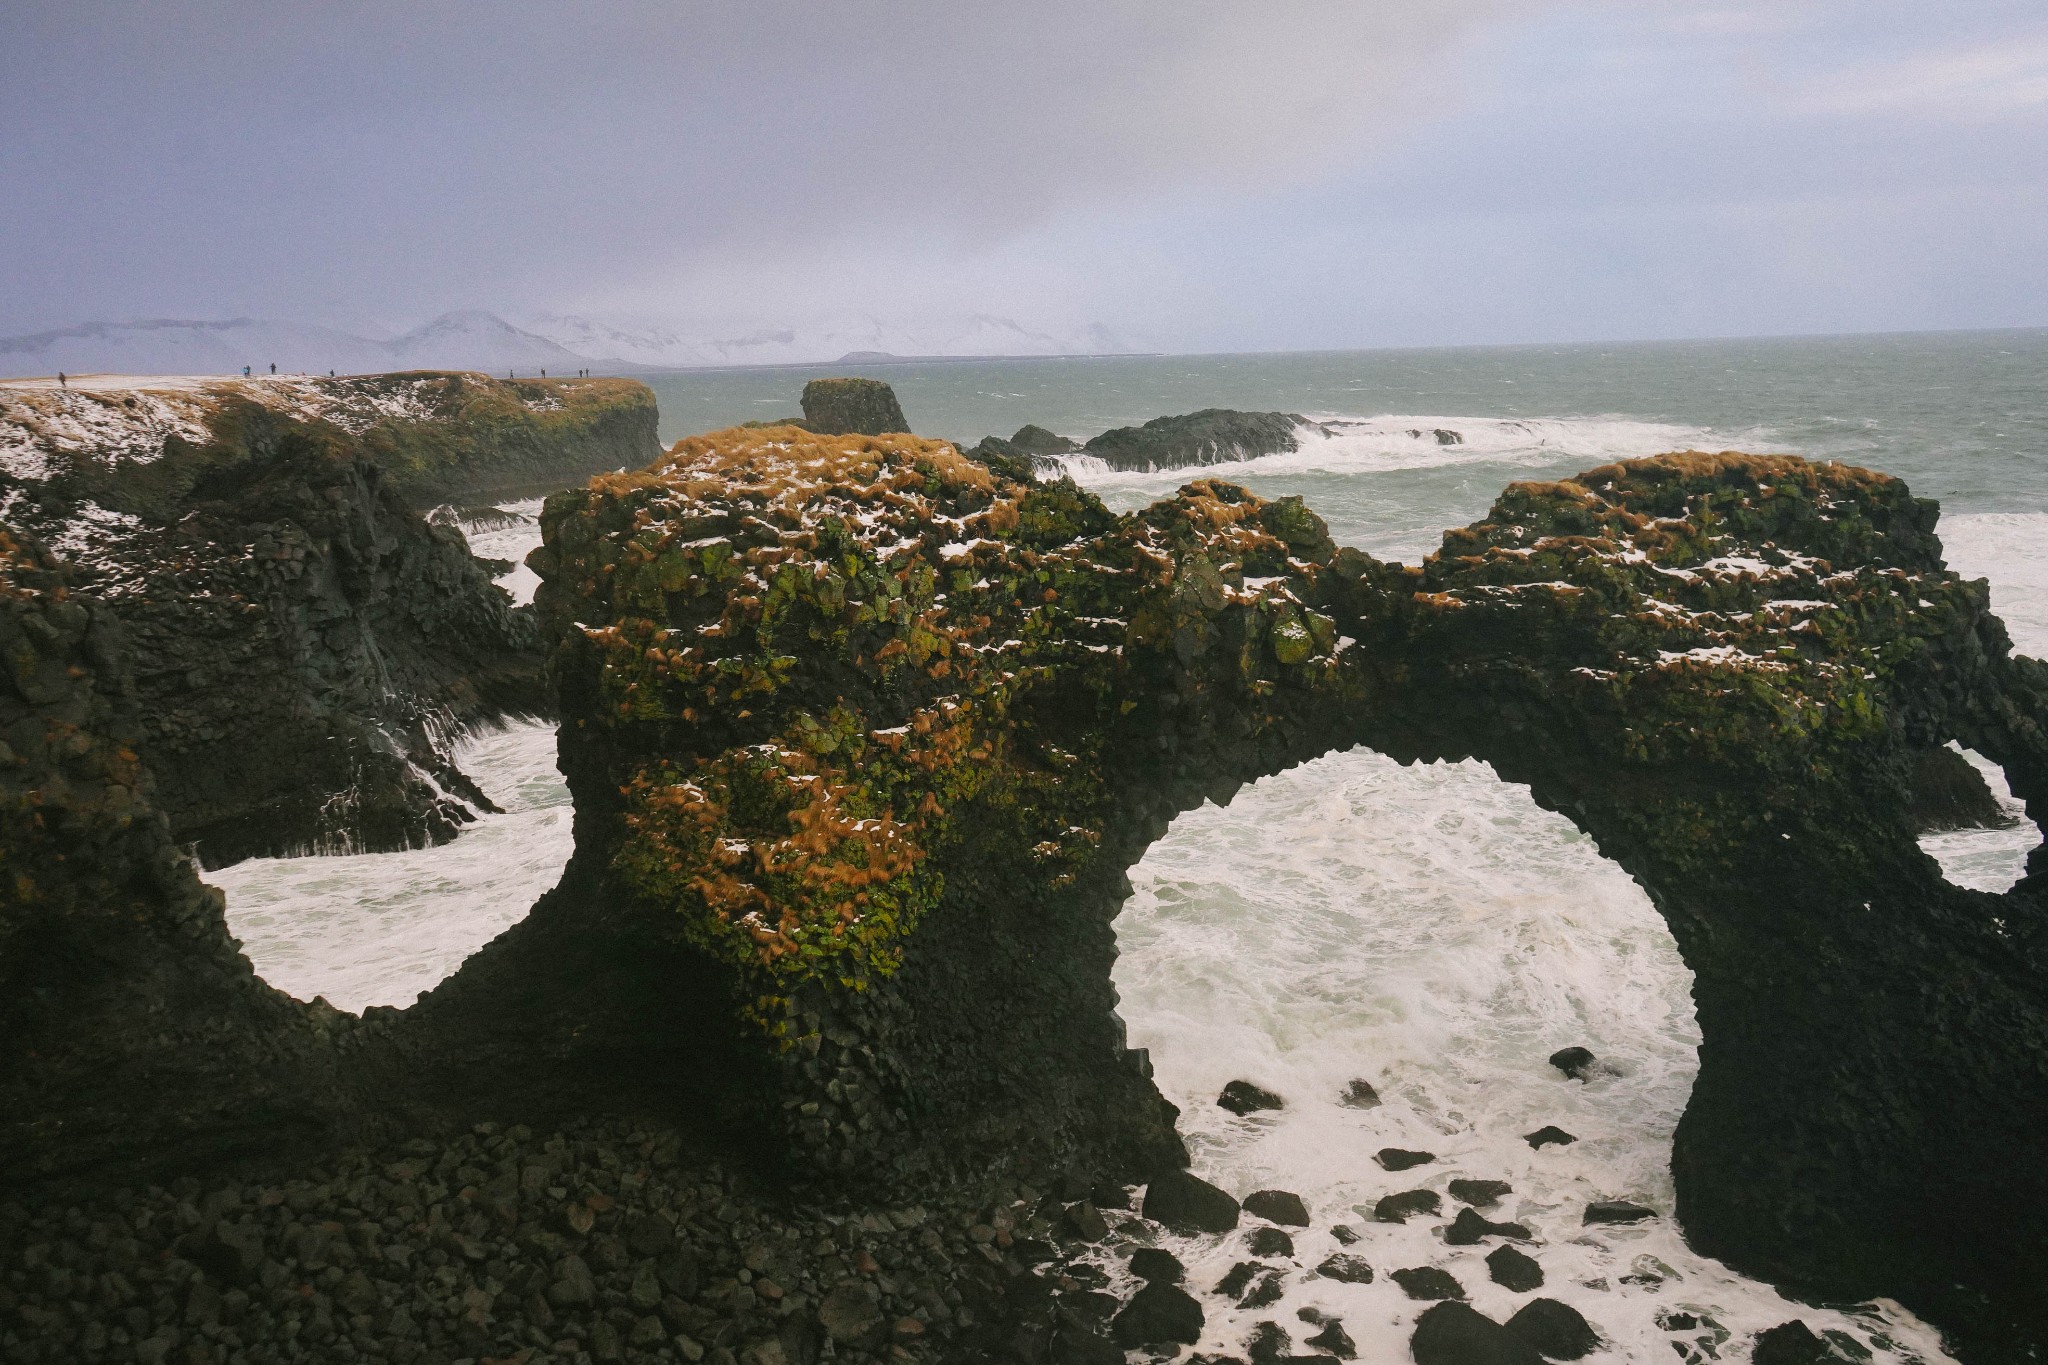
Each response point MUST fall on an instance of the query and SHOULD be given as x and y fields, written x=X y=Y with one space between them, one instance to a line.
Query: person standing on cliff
x=273 y=367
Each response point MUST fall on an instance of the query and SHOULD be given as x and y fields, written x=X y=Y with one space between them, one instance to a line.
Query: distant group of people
x=580 y=374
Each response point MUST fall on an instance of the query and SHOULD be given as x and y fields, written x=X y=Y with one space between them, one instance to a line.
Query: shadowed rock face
x=863 y=736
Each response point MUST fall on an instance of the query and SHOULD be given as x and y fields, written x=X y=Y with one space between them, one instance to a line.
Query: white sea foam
x=1433 y=931
x=1986 y=859
x=378 y=928
x=2010 y=549
x=511 y=541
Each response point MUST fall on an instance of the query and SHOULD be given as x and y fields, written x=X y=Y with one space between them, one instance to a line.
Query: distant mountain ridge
x=476 y=340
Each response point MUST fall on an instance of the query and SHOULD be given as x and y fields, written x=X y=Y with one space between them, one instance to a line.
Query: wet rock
x=1360 y=1095
x=1186 y=1203
x=1036 y=440
x=1277 y=1206
x=1242 y=1097
x=1086 y=1222
x=1398 y=1208
x=1155 y=1265
x=1268 y=1344
x=1334 y=1340
x=1236 y=1278
x=1427 y=1282
x=1555 y=1330
x=1480 y=1194
x=835 y=407
x=1079 y=1345
x=1345 y=1234
x=1790 y=1343
x=1266 y=1289
x=1469 y=1229
x=1346 y=1268
x=1574 y=1062
x=1156 y=1315
x=1512 y=1269
x=847 y=1314
x=1617 y=1211
x=1269 y=1242
x=1210 y=436
x=1457 y=1334
x=1399 y=1159
x=1547 y=1134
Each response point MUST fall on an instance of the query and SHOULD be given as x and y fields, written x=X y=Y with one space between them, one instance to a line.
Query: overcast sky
x=1197 y=174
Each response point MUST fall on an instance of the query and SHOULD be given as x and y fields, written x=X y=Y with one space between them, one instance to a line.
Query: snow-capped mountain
x=476 y=340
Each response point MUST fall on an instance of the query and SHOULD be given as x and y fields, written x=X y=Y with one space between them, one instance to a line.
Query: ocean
x=1428 y=929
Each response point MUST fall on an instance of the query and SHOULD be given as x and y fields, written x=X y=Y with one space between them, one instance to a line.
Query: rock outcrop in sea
x=305 y=644
x=1211 y=436
x=863 y=735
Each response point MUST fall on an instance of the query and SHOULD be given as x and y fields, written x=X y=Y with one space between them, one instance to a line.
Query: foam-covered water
x=1434 y=932
x=511 y=541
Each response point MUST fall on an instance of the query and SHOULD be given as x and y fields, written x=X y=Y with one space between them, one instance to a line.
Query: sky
x=1194 y=175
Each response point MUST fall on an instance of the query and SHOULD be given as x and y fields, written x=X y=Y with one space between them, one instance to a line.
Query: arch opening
x=1432 y=931
x=1984 y=846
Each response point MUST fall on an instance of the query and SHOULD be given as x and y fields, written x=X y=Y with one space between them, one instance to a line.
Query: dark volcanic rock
x=1187 y=1203
x=1514 y=1270
x=1456 y=1334
x=1790 y=1343
x=1360 y=1095
x=1156 y=1263
x=1427 y=1282
x=1396 y=1159
x=868 y=407
x=1949 y=793
x=1469 y=1229
x=1398 y=1208
x=1334 y=1340
x=1268 y=1344
x=1211 y=436
x=1236 y=1278
x=1574 y=1062
x=1617 y=1211
x=1549 y=1133
x=1480 y=1194
x=1158 y=1313
x=1265 y=1241
x=1267 y=1289
x=1242 y=1097
x=1554 y=1330
x=1036 y=440
x=1277 y=1206
x=1347 y=1268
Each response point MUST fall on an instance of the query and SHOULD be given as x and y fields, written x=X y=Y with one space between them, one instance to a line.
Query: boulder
x=1574 y=1062
x=1269 y=1241
x=1268 y=1344
x=1469 y=1229
x=1345 y=1234
x=1236 y=1278
x=1158 y=1314
x=1512 y=1269
x=1399 y=1159
x=1036 y=440
x=847 y=1314
x=1360 y=1095
x=837 y=407
x=1345 y=1268
x=1790 y=1343
x=1427 y=1282
x=1157 y=1265
x=1242 y=1097
x=1398 y=1208
x=1266 y=1289
x=1554 y=1330
x=1480 y=1194
x=1277 y=1206
x=1334 y=1340
x=1187 y=1203
x=1211 y=436
x=1617 y=1211
x=1456 y=1334
x=1547 y=1134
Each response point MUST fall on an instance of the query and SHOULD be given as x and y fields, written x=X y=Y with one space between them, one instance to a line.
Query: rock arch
x=863 y=736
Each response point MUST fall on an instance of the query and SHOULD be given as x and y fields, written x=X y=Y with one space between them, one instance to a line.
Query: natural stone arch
x=797 y=671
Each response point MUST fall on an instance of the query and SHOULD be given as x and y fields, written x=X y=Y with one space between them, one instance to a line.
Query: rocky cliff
x=864 y=734
x=305 y=644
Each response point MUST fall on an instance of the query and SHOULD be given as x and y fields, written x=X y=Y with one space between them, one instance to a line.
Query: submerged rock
x=1360 y=1095
x=1187 y=1203
x=1242 y=1097
x=1554 y=1330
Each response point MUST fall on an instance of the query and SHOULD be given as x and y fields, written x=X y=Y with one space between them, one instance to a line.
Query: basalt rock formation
x=864 y=734
x=1211 y=436
x=858 y=406
x=305 y=643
